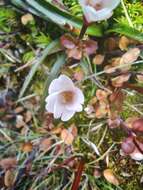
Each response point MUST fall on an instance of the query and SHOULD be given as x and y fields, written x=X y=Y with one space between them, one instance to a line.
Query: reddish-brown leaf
x=98 y=59
x=8 y=163
x=137 y=125
x=68 y=41
x=128 y=145
x=27 y=147
x=90 y=47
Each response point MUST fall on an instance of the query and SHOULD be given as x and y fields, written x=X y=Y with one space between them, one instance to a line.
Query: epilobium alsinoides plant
x=64 y=98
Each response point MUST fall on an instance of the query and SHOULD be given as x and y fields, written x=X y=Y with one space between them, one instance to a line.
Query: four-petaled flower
x=77 y=48
x=98 y=10
x=64 y=99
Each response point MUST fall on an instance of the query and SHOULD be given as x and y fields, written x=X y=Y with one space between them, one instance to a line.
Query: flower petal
x=83 y=2
x=79 y=95
x=92 y=15
x=50 y=102
x=87 y=2
x=79 y=108
x=58 y=109
x=111 y=4
x=66 y=115
x=63 y=83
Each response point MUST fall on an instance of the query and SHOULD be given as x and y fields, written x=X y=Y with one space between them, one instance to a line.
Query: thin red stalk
x=78 y=175
x=83 y=29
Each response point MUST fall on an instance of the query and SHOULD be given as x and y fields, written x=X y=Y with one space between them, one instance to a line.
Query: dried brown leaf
x=130 y=56
x=98 y=59
x=45 y=144
x=101 y=94
x=8 y=163
x=124 y=43
x=25 y=19
x=67 y=136
x=9 y=178
x=110 y=177
x=119 y=80
x=27 y=147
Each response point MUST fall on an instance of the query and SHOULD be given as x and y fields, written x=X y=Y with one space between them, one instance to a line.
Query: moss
x=132 y=100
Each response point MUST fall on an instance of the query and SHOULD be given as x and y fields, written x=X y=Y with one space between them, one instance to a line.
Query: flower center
x=97 y=6
x=67 y=97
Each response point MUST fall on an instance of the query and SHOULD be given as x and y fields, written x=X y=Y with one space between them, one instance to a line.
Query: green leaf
x=47 y=11
x=127 y=31
x=61 y=60
x=49 y=50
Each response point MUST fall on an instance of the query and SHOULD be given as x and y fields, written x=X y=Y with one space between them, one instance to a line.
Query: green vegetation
x=31 y=56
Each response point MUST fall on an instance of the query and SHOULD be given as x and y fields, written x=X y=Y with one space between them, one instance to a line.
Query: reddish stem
x=78 y=175
x=84 y=28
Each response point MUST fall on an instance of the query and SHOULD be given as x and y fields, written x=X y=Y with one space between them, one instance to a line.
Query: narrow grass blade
x=48 y=11
x=38 y=61
x=61 y=60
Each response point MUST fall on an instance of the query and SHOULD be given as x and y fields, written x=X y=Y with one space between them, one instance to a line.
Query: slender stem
x=83 y=29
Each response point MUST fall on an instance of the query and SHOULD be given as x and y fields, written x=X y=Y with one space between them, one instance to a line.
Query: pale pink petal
x=50 y=102
x=86 y=2
x=79 y=96
x=79 y=108
x=111 y=4
x=92 y=15
x=63 y=83
x=103 y=14
x=58 y=109
x=74 y=107
x=66 y=115
x=82 y=2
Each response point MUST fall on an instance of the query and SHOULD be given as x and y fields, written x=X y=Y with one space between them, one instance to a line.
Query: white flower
x=98 y=10
x=64 y=98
